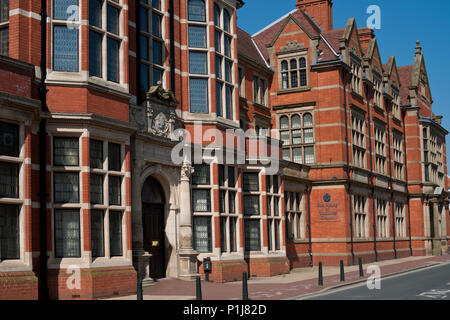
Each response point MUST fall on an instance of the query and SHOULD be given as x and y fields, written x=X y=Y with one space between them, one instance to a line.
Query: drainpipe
x=406 y=179
x=390 y=181
x=139 y=92
x=348 y=168
x=308 y=193
x=371 y=178
x=172 y=45
x=43 y=274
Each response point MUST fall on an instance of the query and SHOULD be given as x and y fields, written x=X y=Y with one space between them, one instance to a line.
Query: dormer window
x=294 y=73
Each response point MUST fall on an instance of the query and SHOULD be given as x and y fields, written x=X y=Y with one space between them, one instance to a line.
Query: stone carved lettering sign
x=328 y=210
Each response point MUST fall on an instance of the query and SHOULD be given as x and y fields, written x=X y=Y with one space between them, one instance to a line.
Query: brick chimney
x=365 y=35
x=320 y=10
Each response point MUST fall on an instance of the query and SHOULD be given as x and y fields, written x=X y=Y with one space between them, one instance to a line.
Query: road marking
x=435 y=294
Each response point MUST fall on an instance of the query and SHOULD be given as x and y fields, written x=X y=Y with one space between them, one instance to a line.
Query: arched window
x=284 y=122
x=216 y=15
x=307 y=120
x=226 y=21
x=296 y=121
x=196 y=10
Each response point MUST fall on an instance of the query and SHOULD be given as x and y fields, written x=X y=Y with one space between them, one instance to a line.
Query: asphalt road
x=427 y=284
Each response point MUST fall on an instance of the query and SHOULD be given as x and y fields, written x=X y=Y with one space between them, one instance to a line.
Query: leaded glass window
x=223 y=234
x=95 y=54
x=219 y=87
x=157 y=53
x=201 y=200
x=95 y=13
x=4 y=41
x=115 y=190
x=297 y=135
x=115 y=233
x=198 y=95
x=4 y=11
x=97 y=233
x=67 y=233
x=202 y=234
x=65 y=48
x=9 y=139
x=64 y=9
x=9 y=232
x=201 y=175
x=226 y=20
x=197 y=36
x=113 y=60
x=196 y=10
x=9 y=180
x=96 y=189
x=66 y=187
x=251 y=182
x=294 y=73
x=198 y=63
x=114 y=158
x=96 y=154
x=252 y=235
x=66 y=151
x=251 y=205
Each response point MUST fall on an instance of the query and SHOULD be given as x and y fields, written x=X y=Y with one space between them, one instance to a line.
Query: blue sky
x=402 y=23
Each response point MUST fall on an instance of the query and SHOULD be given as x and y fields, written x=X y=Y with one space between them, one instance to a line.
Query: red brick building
x=93 y=95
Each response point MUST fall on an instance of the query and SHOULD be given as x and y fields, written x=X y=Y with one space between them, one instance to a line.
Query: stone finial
x=418 y=47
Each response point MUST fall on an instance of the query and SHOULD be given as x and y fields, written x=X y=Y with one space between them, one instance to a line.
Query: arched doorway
x=153 y=208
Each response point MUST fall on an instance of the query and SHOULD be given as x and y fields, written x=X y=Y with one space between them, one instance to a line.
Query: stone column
x=187 y=254
x=141 y=258
x=437 y=229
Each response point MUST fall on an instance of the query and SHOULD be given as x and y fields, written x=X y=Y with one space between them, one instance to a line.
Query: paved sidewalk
x=299 y=282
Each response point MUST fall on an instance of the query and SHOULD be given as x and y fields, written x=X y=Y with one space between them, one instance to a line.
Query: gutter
x=139 y=94
x=172 y=45
x=390 y=182
x=308 y=193
x=406 y=179
x=43 y=256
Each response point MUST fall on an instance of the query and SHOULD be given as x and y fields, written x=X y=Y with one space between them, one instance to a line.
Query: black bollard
x=199 y=288
x=320 y=274
x=361 y=270
x=342 y=271
x=244 y=286
x=139 y=289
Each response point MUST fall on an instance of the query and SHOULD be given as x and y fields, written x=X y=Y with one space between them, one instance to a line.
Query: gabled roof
x=268 y=34
x=330 y=44
x=405 y=74
x=248 y=48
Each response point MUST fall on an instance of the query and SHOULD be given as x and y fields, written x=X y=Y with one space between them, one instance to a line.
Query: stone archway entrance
x=153 y=222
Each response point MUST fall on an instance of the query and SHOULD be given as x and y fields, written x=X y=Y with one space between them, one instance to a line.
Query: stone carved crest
x=186 y=171
x=292 y=45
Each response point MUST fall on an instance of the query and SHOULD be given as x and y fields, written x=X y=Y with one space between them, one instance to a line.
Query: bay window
x=67 y=233
x=201 y=207
x=227 y=208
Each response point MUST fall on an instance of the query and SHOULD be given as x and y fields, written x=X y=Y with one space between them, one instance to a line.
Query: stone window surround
x=273 y=219
x=297 y=54
x=299 y=222
x=255 y=217
x=358 y=121
x=400 y=225
x=380 y=139
x=83 y=75
x=85 y=260
x=24 y=263
x=383 y=221
x=260 y=79
x=361 y=219
x=356 y=72
x=397 y=150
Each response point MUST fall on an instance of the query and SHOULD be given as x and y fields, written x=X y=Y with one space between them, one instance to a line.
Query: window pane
x=284 y=123
x=113 y=60
x=97 y=233
x=269 y=234
x=65 y=49
x=198 y=89
x=112 y=20
x=222 y=207
x=218 y=67
x=228 y=67
x=297 y=155
x=67 y=233
x=9 y=232
x=227 y=46
x=223 y=234
x=156 y=4
x=231 y=202
x=143 y=14
x=251 y=205
x=4 y=10
x=9 y=139
x=229 y=102
x=202 y=234
x=196 y=10
x=252 y=235
x=294 y=79
x=285 y=80
x=145 y=75
x=114 y=158
x=197 y=63
x=226 y=21
x=115 y=233
x=309 y=155
x=63 y=9
x=9 y=180
x=277 y=234
x=293 y=64
x=219 y=99
x=95 y=13
x=302 y=63
x=96 y=154
x=65 y=151
x=95 y=54
x=251 y=182
x=309 y=135
x=221 y=168
x=156 y=25
x=307 y=120
x=4 y=41
x=115 y=190
x=296 y=137
x=201 y=200
x=197 y=37
x=66 y=187
x=285 y=137
x=157 y=76
x=284 y=66
x=217 y=41
x=231 y=177
x=96 y=189
x=233 y=242
x=201 y=175
x=216 y=15
x=303 y=79
x=287 y=154
x=144 y=48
